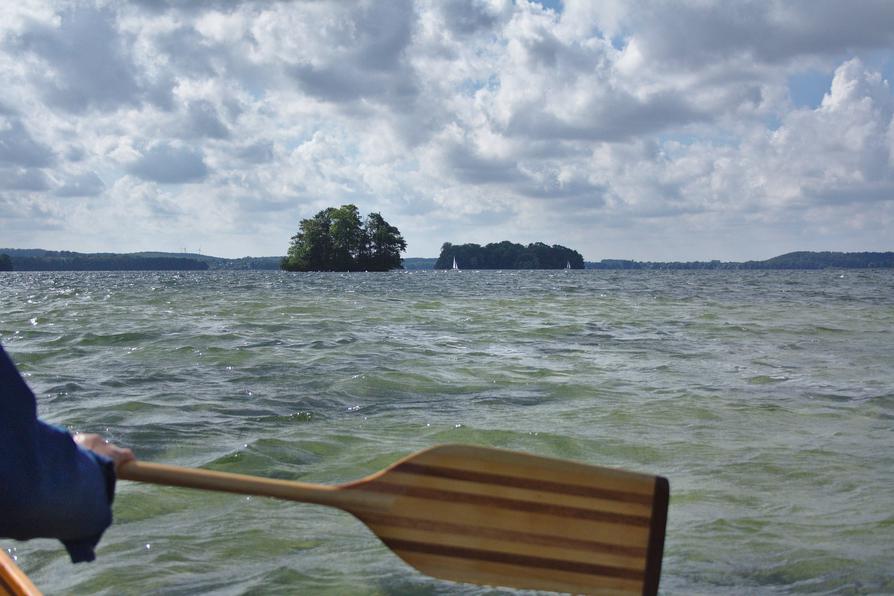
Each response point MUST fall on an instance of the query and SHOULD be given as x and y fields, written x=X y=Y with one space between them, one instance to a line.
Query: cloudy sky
x=651 y=130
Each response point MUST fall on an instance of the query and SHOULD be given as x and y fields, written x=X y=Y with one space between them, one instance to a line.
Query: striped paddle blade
x=495 y=517
x=488 y=516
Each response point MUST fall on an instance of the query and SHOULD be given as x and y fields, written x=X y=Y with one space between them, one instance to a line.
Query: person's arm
x=49 y=486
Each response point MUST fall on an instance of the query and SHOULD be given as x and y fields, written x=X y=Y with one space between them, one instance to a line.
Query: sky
x=648 y=130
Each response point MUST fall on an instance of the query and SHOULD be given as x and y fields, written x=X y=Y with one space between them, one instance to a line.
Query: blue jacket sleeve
x=49 y=487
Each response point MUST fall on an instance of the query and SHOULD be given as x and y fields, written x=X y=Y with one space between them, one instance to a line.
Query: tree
x=348 y=239
x=311 y=248
x=336 y=239
x=5 y=263
x=384 y=244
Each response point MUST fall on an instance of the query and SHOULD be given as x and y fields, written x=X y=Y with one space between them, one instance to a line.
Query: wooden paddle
x=488 y=516
x=13 y=581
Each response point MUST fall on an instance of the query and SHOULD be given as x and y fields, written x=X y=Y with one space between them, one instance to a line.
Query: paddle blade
x=495 y=517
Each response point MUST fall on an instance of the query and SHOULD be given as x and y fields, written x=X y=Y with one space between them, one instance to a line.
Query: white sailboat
x=455 y=268
x=567 y=264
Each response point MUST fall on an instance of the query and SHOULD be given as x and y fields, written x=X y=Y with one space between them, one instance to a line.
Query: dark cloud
x=187 y=51
x=260 y=152
x=346 y=83
x=333 y=84
x=87 y=184
x=19 y=217
x=855 y=193
x=204 y=121
x=265 y=205
x=160 y=92
x=385 y=30
x=572 y=193
x=466 y=17
x=28 y=179
x=370 y=62
x=88 y=60
x=612 y=117
x=75 y=153
x=193 y=7
x=700 y=33
x=867 y=25
x=472 y=168
x=18 y=147
x=170 y=164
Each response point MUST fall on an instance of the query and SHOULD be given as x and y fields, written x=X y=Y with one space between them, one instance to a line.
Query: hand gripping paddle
x=488 y=516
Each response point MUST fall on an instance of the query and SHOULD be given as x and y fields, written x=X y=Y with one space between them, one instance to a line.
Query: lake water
x=767 y=399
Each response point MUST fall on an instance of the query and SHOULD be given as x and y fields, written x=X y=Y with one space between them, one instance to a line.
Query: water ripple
x=765 y=397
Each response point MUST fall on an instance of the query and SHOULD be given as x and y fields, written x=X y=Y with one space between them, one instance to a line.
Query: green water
x=767 y=399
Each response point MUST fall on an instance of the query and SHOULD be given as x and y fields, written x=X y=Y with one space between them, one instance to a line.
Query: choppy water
x=767 y=399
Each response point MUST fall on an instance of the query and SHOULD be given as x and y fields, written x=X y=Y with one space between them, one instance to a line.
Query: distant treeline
x=419 y=263
x=68 y=261
x=792 y=260
x=15 y=259
x=35 y=259
x=507 y=255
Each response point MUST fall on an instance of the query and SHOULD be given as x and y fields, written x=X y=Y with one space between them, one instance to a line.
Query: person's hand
x=99 y=445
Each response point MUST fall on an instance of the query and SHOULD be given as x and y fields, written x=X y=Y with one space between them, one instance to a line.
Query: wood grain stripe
x=510 y=504
x=525 y=483
x=499 y=534
x=513 y=559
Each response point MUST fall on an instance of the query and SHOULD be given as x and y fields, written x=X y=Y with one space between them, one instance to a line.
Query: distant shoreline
x=46 y=260
x=793 y=260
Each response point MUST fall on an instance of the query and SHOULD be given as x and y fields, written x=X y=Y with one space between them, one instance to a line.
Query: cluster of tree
x=217 y=263
x=64 y=261
x=5 y=262
x=793 y=260
x=337 y=239
x=507 y=255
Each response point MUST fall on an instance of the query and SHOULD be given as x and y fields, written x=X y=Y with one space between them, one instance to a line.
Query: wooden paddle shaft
x=229 y=482
x=13 y=581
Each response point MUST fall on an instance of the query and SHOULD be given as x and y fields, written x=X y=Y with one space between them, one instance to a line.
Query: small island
x=336 y=239
x=507 y=255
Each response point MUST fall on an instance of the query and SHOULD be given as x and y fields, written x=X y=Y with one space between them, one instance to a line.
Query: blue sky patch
x=807 y=89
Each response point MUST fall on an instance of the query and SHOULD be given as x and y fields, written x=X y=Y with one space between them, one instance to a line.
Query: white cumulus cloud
x=637 y=129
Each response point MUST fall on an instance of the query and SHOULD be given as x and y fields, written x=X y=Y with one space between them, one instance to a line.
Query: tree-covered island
x=336 y=239
x=507 y=255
